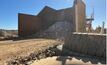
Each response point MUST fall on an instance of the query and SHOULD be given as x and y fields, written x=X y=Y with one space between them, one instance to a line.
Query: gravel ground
x=12 y=49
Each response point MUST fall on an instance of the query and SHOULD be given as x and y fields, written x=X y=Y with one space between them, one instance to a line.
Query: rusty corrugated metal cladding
x=28 y=24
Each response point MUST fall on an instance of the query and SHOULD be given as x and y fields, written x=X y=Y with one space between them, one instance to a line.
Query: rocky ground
x=13 y=52
x=67 y=60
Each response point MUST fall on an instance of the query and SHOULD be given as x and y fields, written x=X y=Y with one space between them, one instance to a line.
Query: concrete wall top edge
x=89 y=33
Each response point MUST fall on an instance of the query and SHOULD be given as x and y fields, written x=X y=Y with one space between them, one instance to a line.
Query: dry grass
x=10 y=49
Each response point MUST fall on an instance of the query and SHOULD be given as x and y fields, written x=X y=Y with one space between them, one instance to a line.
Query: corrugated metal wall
x=28 y=24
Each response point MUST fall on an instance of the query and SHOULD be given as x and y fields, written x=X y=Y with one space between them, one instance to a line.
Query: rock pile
x=27 y=60
x=59 y=30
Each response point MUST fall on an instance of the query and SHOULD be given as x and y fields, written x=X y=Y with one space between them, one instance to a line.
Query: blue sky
x=9 y=10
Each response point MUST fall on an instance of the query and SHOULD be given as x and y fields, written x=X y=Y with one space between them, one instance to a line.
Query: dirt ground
x=10 y=49
x=64 y=60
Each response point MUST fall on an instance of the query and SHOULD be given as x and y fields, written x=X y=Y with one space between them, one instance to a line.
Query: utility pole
x=102 y=29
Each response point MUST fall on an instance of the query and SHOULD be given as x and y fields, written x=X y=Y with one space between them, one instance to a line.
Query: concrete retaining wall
x=91 y=43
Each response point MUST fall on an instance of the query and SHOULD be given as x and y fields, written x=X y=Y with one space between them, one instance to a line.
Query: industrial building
x=31 y=24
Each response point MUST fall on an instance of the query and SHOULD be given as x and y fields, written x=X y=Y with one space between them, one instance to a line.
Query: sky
x=9 y=10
